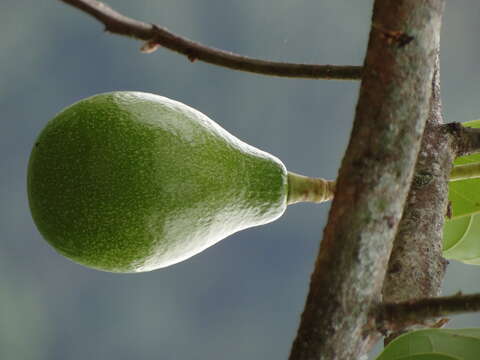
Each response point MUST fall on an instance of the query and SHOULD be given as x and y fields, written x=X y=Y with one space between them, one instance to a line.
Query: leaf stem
x=466 y=171
x=307 y=189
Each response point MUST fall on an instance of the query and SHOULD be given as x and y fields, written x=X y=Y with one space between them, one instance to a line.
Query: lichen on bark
x=416 y=267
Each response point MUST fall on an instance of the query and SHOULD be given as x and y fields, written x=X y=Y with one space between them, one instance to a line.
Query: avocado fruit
x=130 y=182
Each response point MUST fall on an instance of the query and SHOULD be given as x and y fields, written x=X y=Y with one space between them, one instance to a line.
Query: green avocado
x=131 y=182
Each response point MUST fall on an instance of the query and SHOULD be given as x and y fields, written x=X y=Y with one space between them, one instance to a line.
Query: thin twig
x=396 y=316
x=467 y=139
x=155 y=36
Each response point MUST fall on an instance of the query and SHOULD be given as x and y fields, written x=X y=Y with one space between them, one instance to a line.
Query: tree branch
x=154 y=36
x=416 y=267
x=373 y=181
x=466 y=139
x=396 y=316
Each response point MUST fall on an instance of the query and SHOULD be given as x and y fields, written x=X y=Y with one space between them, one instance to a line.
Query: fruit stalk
x=307 y=189
x=467 y=171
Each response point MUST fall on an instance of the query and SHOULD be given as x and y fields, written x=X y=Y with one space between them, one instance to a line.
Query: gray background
x=242 y=298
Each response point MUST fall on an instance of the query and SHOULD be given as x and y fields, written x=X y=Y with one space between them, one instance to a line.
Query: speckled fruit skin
x=131 y=182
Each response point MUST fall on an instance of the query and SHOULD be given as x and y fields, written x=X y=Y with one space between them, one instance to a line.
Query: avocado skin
x=131 y=182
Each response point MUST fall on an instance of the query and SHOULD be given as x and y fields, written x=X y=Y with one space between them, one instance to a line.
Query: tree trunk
x=373 y=182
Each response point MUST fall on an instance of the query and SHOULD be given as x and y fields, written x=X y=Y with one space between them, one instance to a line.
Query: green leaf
x=462 y=239
x=434 y=344
x=454 y=230
x=464 y=195
x=461 y=233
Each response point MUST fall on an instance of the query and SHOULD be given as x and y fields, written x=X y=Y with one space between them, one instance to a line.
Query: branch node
x=466 y=140
x=191 y=56
x=394 y=36
x=149 y=47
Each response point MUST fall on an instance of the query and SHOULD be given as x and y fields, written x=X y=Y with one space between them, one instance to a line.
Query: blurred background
x=241 y=299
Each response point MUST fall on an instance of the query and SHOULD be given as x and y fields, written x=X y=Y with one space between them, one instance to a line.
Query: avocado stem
x=307 y=189
x=317 y=190
x=466 y=171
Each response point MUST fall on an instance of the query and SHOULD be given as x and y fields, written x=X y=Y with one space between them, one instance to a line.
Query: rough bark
x=416 y=268
x=373 y=181
x=422 y=219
